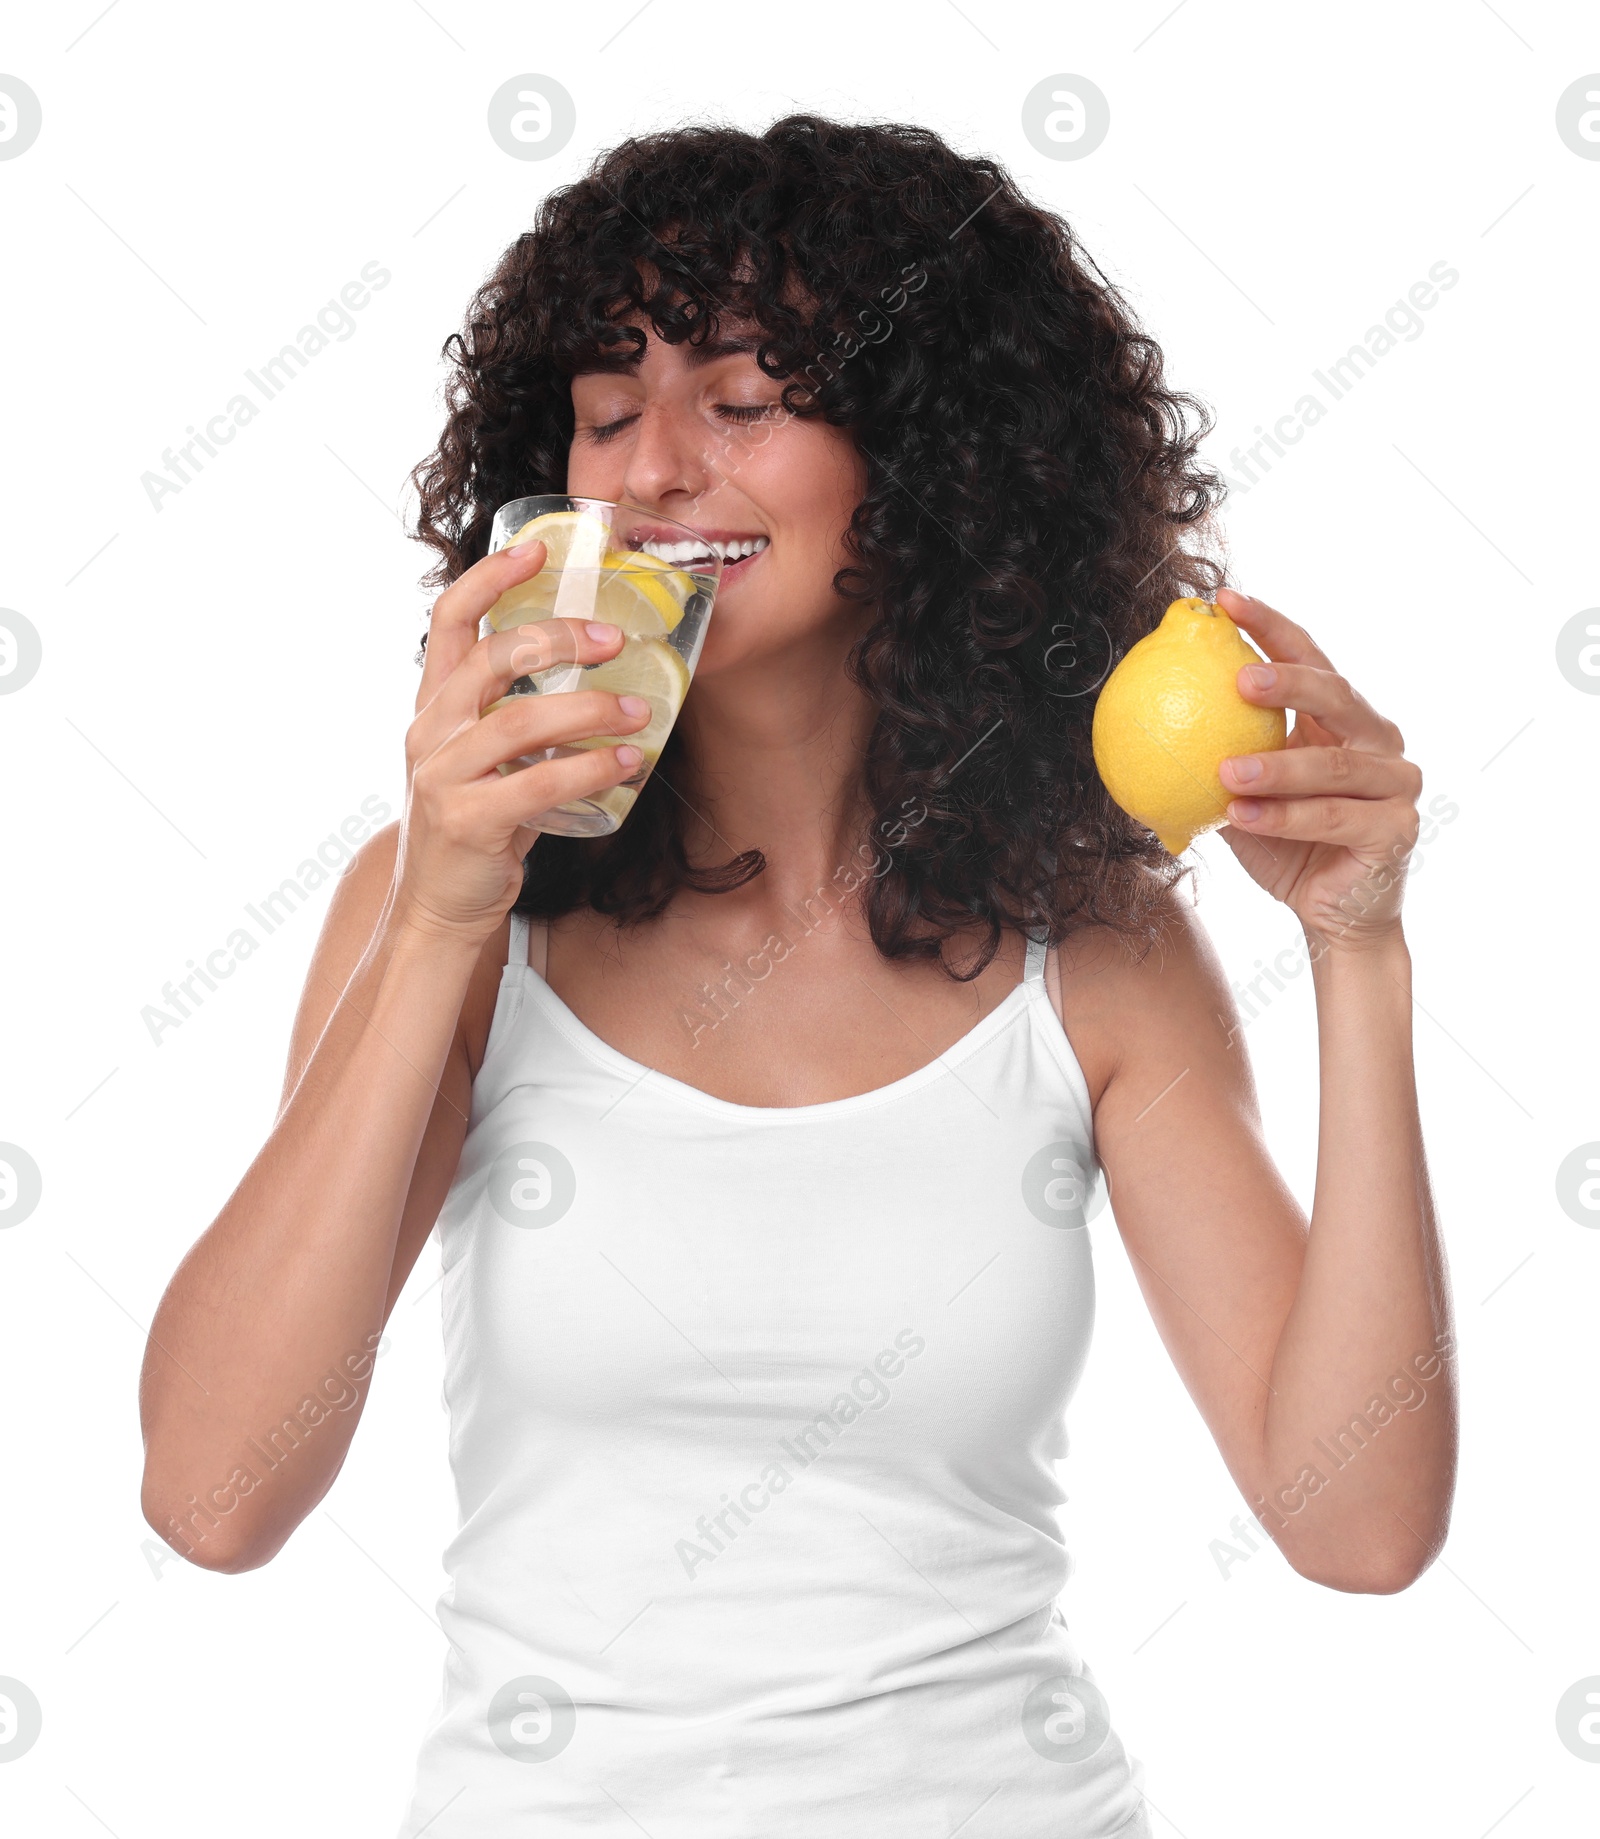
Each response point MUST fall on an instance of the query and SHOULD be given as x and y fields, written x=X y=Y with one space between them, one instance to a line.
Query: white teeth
x=679 y=553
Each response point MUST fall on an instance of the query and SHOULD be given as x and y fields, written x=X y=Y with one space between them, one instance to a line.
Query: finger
x=1361 y=824
x=1326 y=697
x=1254 y=853
x=1309 y=771
x=1278 y=636
x=519 y=798
x=528 y=724
x=453 y=624
x=492 y=665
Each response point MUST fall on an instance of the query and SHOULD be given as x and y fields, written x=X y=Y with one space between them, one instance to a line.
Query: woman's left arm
x=1321 y=1357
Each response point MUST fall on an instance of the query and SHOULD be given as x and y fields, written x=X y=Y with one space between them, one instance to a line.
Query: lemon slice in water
x=640 y=593
x=575 y=540
x=645 y=667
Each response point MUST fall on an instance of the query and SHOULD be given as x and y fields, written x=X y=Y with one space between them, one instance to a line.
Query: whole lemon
x=1171 y=713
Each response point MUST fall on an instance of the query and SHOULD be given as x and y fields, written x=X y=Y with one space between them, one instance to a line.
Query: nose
x=668 y=459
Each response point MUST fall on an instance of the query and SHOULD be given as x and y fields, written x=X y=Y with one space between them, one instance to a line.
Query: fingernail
x=633 y=705
x=1244 y=810
x=1263 y=676
x=628 y=756
x=597 y=629
x=521 y=549
x=1245 y=768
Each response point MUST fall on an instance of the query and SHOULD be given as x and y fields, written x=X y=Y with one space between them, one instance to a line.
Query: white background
x=227 y=678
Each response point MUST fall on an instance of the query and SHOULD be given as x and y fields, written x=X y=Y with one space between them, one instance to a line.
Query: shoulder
x=355 y=913
x=1129 y=1000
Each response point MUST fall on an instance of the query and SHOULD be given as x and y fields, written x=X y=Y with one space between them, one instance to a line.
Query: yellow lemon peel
x=1171 y=713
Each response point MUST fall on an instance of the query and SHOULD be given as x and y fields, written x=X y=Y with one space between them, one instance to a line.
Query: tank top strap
x=517 y=949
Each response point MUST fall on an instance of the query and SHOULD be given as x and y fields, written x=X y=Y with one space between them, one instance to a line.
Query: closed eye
x=731 y=411
x=609 y=430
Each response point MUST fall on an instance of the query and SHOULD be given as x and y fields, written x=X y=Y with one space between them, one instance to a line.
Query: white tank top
x=754 y=1414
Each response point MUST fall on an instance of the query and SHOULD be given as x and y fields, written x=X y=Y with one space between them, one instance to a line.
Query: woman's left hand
x=1328 y=824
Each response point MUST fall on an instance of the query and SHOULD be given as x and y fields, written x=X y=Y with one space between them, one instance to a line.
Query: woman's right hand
x=461 y=847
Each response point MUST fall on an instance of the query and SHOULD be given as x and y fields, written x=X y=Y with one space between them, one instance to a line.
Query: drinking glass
x=652 y=576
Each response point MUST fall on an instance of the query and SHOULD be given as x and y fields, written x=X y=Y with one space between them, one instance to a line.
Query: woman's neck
x=773 y=760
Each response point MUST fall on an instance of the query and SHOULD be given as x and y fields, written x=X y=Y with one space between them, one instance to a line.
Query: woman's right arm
x=283 y=1298
x=260 y=1354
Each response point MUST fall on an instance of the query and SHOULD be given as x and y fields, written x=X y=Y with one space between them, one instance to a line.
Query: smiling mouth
x=735 y=553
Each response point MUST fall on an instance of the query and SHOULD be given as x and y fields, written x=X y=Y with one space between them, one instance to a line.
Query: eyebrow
x=721 y=347
x=695 y=356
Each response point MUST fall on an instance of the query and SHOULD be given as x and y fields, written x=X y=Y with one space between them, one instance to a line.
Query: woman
x=759 y=1134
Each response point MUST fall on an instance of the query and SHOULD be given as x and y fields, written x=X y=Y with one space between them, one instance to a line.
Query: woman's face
x=699 y=435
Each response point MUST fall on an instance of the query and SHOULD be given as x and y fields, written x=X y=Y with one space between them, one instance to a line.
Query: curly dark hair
x=1030 y=479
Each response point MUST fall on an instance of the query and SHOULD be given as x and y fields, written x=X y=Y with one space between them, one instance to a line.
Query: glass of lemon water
x=655 y=578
